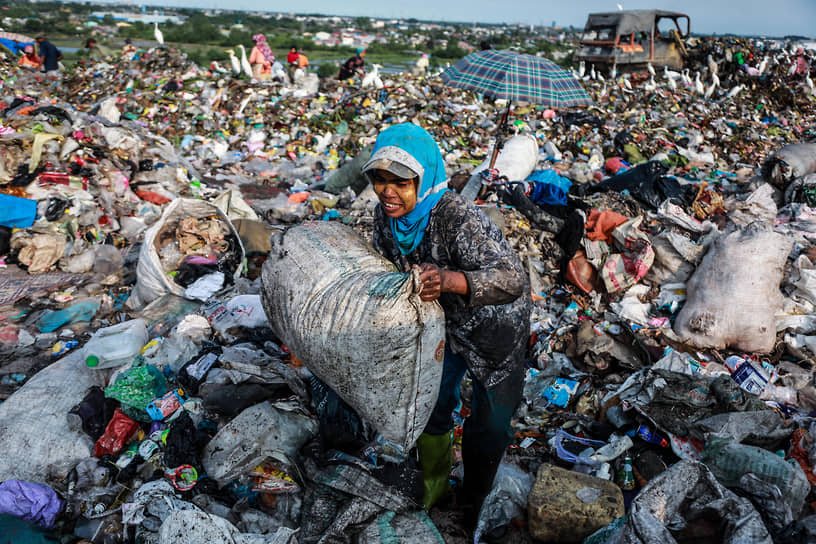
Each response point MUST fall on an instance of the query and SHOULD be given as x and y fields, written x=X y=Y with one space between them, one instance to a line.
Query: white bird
x=372 y=79
x=158 y=33
x=763 y=65
x=809 y=83
x=592 y=72
x=712 y=66
x=650 y=85
x=322 y=142
x=792 y=69
x=603 y=90
x=699 y=88
x=620 y=6
x=236 y=66
x=686 y=77
x=651 y=69
x=715 y=79
x=599 y=75
x=244 y=102
x=245 y=66
x=670 y=74
x=710 y=91
x=613 y=70
x=581 y=69
x=217 y=67
x=672 y=84
x=627 y=84
x=734 y=91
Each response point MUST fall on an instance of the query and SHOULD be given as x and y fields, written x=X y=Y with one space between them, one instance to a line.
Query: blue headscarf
x=414 y=140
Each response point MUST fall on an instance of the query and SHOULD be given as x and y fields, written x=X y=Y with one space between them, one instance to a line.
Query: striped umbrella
x=515 y=76
x=512 y=76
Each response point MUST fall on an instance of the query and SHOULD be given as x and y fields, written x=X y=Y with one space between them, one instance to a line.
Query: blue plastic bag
x=16 y=212
x=83 y=311
x=549 y=187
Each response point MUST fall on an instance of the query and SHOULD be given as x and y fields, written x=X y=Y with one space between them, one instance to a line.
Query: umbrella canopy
x=15 y=42
x=515 y=76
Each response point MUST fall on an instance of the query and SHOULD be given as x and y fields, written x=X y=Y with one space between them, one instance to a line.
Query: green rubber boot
x=435 y=460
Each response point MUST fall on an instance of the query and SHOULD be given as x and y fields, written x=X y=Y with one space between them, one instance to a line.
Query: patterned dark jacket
x=490 y=327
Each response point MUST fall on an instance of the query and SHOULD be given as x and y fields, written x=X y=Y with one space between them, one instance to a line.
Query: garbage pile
x=147 y=397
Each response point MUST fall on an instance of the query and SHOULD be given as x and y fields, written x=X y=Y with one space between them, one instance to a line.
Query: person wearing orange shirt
x=29 y=60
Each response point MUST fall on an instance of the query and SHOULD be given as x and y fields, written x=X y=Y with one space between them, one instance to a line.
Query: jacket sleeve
x=492 y=268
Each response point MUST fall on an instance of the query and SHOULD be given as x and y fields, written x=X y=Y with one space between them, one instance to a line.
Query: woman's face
x=397 y=195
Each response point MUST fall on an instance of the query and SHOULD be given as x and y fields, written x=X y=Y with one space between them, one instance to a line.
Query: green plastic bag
x=16 y=531
x=137 y=387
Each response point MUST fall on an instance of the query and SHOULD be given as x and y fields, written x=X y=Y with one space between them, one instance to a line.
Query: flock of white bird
x=702 y=85
x=671 y=77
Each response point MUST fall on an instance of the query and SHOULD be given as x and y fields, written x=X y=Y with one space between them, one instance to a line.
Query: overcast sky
x=756 y=17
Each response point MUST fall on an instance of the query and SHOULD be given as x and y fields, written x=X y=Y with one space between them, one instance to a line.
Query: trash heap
x=146 y=397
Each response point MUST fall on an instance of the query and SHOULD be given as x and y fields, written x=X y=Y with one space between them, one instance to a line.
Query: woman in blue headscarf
x=468 y=266
x=353 y=67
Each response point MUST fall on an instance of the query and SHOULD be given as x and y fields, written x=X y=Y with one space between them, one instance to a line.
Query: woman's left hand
x=436 y=281
x=431 y=277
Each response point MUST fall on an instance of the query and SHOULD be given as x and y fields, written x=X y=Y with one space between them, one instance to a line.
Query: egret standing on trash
x=467 y=265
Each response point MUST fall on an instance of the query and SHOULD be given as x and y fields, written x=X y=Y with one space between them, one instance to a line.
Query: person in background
x=421 y=66
x=292 y=59
x=128 y=51
x=29 y=60
x=96 y=51
x=49 y=56
x=800 y=62
x=354 y=66
x=303 y=61
x=261 y=58
x=466 y=265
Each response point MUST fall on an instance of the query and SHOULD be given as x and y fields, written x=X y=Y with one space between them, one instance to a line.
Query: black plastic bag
x=647 y=183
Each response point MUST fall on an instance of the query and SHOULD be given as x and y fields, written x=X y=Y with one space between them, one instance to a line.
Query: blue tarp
x=14 y=47
x=17 y=212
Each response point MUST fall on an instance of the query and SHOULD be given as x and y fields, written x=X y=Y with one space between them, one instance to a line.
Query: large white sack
x=734 y=293
x=151 y=280
x=358 y=324
x=36 y=443
x=516 y=160
x=790 y=162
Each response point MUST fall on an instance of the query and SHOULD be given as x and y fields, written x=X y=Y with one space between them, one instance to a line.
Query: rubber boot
x=480 y=471
x=435 y=460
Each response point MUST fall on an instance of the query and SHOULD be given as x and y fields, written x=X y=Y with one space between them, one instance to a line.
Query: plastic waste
x=115 y=345
x=686 y=491
x=30 y=501
x=17 y=212
x=506 y=501
x=14 y=530
x=119 y=430
x=734 y=293
x=329 y=335
x=729 y=461
x=83 y=311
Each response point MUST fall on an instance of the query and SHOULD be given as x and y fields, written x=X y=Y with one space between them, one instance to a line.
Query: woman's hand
x=436 y=281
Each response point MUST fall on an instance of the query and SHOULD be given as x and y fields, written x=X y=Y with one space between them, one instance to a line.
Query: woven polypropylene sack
x=151 y=279
x=358 y=324
x=734 y=293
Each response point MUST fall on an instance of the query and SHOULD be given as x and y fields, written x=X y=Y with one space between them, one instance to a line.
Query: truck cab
x=631 y=39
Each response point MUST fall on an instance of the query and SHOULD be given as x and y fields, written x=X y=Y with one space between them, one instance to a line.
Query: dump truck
x=631 y=39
